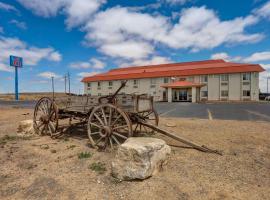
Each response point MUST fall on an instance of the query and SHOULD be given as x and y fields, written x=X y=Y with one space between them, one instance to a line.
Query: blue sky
x=85 y=37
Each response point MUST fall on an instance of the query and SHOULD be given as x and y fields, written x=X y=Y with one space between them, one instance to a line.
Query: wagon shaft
x=180 y=139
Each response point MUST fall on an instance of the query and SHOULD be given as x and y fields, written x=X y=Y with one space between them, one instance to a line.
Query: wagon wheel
x=45 y=117
x=148 y=117
x=108 y=125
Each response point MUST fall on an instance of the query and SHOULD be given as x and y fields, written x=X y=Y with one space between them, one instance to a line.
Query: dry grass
x=29 y=171
x=30 y=96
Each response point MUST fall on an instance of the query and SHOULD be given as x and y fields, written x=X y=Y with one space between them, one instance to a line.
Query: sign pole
x=16 y=84
x=16 y=62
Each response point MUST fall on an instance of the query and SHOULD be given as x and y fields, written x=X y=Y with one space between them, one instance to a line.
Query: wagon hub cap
x=44 y=119
x=106 y=131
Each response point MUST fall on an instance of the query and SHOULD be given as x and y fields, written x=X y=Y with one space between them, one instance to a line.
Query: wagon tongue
x=202 y=148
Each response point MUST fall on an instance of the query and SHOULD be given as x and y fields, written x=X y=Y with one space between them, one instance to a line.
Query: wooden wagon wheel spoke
x=118 y=127
x=104 y=116
x=95 y=133
x=111 y=143
x=110 y=115
x=113 y=125
x=94 y=124
x=146 y=117
x=114 y=138
x=119 y=116
x=45 y=116
x=98 y=141
x=98 y=118
x=119 y=135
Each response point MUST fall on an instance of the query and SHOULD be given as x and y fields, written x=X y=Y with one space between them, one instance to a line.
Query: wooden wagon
x=110 y=119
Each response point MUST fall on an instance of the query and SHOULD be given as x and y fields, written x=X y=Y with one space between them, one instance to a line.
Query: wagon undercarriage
x=110 y=120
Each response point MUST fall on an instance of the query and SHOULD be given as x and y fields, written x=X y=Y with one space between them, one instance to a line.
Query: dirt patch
x=42 y=168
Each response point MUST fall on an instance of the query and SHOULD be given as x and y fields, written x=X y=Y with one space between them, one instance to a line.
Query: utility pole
x=65 y=77
x=53 y=86
x=68 y=83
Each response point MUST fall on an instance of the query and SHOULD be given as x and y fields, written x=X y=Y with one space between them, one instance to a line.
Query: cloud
x=1 y=29
x=7 y=7
x=77 y=11
x=221 y=55
x=21 y=25
x=127 y=49
x=54 y=56
x=258 y=56
x=80 y=11
x=31 y=55
x=174 y=2
x=48 y=8
x=226 y=57
x=85 y=74
x=264 y=11
x=48 y=75
x=198 y=28
x=152 y=61
x=92 y=63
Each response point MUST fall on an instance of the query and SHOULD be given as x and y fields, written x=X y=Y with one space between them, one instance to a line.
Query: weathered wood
x=181 y=139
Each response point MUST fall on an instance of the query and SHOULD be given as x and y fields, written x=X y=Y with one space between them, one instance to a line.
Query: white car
x=267 y=98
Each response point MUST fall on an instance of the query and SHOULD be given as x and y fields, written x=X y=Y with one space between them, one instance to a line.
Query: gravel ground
x=42 y=168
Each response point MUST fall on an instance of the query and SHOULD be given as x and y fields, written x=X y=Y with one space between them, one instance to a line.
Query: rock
x=140 y=158
x=26 y=127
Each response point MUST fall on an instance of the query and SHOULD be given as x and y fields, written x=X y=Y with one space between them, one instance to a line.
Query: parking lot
x=226 y=111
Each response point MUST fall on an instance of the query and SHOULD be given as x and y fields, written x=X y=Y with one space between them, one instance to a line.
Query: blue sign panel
x=16 y=61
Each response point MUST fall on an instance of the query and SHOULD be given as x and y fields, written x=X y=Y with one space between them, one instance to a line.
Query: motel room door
x=180 y=95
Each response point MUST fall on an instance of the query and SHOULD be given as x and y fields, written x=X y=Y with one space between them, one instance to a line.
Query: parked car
x=267 y=98
x=263 y=96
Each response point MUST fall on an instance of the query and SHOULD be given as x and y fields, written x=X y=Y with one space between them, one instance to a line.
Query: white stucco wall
x=214 y=86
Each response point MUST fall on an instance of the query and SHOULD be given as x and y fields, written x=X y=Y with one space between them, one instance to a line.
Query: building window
x=204 y=93
x=224 y=84
x=224 y=77
x=135 y=82
x=99 y=94
x=98 y=85
x=182 y=79
x=204 y=79
x=191 y=79
x=224 y=93
x=246 y=93
x=88 y=84
x=166 y=80
x=153 y=81
x=110 y=83
x=246 y=77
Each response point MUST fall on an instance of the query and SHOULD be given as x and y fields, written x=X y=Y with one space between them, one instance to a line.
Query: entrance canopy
x=182 y=84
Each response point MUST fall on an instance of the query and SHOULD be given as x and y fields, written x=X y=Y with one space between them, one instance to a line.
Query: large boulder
x=140 y=158
x=26 y=127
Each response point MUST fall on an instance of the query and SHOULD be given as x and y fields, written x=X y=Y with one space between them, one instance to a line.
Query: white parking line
x=259 y=114
x=167 y=112
x=209 y=114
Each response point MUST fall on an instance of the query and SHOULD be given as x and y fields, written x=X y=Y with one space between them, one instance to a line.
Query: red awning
x=182 y=84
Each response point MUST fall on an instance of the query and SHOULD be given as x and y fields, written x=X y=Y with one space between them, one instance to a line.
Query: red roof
x=179 y=84
x=175 y=69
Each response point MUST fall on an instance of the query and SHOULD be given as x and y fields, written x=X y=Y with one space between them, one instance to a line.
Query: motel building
x=210 y=80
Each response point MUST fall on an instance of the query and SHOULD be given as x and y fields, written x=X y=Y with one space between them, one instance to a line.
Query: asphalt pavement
x=225 y=111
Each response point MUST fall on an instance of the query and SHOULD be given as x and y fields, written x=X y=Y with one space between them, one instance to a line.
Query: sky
x=86 y=37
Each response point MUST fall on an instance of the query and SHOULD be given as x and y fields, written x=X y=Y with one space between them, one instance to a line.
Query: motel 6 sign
x=16 y=61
